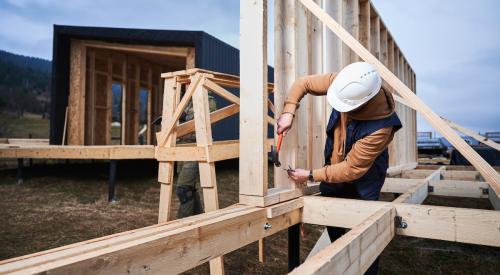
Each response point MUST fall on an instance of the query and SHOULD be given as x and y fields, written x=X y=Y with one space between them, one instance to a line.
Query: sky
x=452 y=45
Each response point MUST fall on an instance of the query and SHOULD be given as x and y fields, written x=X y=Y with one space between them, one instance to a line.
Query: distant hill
x=24 y=84
x=22 y=61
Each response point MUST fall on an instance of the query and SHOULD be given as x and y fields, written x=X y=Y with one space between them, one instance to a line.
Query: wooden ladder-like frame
x=197 y=83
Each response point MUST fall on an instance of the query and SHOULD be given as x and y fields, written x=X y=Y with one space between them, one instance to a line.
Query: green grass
x=22 y=127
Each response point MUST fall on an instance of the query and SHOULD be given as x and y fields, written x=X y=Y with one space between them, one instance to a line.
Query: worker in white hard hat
x=360 y=128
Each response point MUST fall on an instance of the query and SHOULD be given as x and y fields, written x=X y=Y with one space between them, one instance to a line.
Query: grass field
x=22 y=127
x=61 y=204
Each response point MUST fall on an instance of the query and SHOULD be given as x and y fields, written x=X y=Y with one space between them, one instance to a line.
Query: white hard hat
x=355 y=85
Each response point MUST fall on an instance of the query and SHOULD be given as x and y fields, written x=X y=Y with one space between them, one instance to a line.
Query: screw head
x=267 y=226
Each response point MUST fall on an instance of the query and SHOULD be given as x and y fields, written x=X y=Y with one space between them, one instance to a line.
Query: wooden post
x=208 y=181
x=112 y=181
x=375 y=33
x=20 y=169
x=350 y=21
x=364 y=24
x=293 y=247
x=253 y=91
x=166 y=169
x=109 y=101
x=285 y=72
x=76 y=99
x=150 y=106
x=318 y=112
x=124 y=102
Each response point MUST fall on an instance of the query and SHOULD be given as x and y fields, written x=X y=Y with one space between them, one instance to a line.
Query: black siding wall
x=211 y=54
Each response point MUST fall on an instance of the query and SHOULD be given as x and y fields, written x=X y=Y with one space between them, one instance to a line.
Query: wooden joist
x=424 y=221
x=451 y=188
x=472 y=156
x=355 y=251
x=171 y=247
x=78 y=152
x=418 y=193
x=447 y=174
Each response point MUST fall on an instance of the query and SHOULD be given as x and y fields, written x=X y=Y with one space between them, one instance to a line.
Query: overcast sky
x=453 y=45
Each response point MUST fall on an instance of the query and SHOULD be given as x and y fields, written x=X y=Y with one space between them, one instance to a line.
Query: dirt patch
x=60 y=204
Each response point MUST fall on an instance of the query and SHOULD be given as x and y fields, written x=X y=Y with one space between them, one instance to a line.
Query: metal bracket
x=486 y=191
x=430 y=188
x=400 y=223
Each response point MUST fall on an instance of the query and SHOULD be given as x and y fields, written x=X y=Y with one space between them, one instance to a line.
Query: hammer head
x=275 y=156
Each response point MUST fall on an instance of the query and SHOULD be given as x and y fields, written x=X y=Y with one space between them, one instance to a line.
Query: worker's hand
x=298 y=175
x=284 y=123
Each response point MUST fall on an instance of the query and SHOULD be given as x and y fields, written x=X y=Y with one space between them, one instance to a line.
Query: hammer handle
x=278 y=146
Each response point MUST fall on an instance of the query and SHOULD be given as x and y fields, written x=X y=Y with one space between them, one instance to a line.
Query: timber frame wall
x=318 y=51
x=95 y=66
x=177 y=246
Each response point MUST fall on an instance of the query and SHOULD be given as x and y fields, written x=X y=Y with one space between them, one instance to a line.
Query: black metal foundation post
x=112 y=181
x=20 y=175
x=293 y=246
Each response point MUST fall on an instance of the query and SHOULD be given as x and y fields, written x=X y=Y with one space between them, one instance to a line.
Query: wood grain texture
x=472 y=156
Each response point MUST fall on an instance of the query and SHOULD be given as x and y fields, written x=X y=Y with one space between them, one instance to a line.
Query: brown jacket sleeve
x=359 y=159
x=312 y=84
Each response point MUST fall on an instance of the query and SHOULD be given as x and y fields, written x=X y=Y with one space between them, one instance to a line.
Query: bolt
x=404 y=225
x=267 y=226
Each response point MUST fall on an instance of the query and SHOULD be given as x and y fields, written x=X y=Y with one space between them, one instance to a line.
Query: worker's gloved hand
x=284 y=123
x=298 y=175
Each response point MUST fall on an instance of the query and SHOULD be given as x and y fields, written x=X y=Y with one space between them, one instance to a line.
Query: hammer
x=275 y=151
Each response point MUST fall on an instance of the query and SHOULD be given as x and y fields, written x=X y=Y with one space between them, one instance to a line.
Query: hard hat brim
x=342 y=107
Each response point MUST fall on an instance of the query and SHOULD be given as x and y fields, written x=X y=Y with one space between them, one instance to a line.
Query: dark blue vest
x=369 y=185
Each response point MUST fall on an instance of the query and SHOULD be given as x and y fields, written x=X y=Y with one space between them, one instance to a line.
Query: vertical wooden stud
x=374 y=33
x=166 y=169
x=124 y=102
x=253 y=91
x=208 y=181
x=318 y=110
x=364 y=24
x=76 y=105
x=350 y=21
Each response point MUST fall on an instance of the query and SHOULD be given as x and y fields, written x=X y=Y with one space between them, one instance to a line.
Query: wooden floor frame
x=180 y=245
x=177 y=246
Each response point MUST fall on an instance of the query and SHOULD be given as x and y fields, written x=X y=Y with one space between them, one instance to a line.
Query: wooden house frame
x=177 y=246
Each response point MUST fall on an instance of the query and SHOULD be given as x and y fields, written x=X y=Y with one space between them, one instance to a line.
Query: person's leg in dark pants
x=346 y=191
x=341 y=190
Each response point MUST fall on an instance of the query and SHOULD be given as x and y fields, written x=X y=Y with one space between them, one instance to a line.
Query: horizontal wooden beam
x=456 y=188
x=451 y=167
x=171 y=247
x=355 y=251
x=397 y=170
x=424 y=221
x=447 y=174
x=451 y=188
x=418 y=193
x=279 y=194
x=219 y=150
x=148 y=49
x=24 y=141
x=78 y=152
